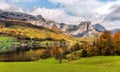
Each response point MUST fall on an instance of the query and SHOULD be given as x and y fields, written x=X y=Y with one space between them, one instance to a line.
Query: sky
x=105 y=12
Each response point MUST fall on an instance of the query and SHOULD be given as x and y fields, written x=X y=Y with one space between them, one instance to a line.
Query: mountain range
x=83 y=29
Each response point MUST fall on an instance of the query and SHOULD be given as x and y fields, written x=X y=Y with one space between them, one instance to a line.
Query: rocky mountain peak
x=18 y=16
x=85 y=28
x=86 y=25
x=99 y=27
x=39 y=17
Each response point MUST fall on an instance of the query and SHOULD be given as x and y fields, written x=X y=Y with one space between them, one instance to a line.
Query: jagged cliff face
x=84 y=29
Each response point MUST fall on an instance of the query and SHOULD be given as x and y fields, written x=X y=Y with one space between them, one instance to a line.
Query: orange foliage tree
x=105 y=44
x=57 y=53
x=117 y=42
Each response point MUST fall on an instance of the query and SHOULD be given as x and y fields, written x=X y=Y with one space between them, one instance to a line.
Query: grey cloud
x=114 y=15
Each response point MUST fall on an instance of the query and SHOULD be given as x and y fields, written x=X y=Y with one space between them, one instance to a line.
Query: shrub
x=84 y=53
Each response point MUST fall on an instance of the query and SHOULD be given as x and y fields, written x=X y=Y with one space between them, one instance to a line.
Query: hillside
x=18 y=28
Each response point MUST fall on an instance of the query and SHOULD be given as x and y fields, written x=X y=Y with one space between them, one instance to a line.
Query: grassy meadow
x=90 y=64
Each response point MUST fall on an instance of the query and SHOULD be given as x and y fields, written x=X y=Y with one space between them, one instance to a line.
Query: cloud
x=104 y=9
x=111 y=25
x=112 y=19
x=114 y=15
x=79 y=7
x=20 y=1
x=86 y=9
x=56 y=15
x=4 y=5
x=63 y=1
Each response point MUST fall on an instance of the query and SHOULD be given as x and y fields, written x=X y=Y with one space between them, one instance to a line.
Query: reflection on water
x=29 y=55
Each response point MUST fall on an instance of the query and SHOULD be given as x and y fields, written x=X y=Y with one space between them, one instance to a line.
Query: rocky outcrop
x=84 y=29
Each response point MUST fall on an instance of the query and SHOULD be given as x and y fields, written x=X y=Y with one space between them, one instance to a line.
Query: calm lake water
x=29 y=55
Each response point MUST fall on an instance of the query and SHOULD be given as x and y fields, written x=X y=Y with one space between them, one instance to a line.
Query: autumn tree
x=117 y=42
x=93 y=51
x=105 y=44
x=57 y=53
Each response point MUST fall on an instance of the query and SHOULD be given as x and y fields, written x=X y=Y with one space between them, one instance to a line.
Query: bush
x=84 y=53
x=75 y=47
x=73 y=56
x=93 y=51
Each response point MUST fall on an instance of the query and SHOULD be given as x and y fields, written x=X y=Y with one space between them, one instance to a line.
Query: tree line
x=106 y=44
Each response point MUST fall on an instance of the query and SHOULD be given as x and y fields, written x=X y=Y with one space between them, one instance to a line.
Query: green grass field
x=91 y=64
x=5 y=43
x=5 y=38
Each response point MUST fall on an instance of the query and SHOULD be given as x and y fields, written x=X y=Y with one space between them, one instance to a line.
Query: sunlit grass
x=91 y=64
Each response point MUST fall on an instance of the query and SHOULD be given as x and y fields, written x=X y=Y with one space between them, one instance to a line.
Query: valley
x=59 y=35
x=33 y=42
